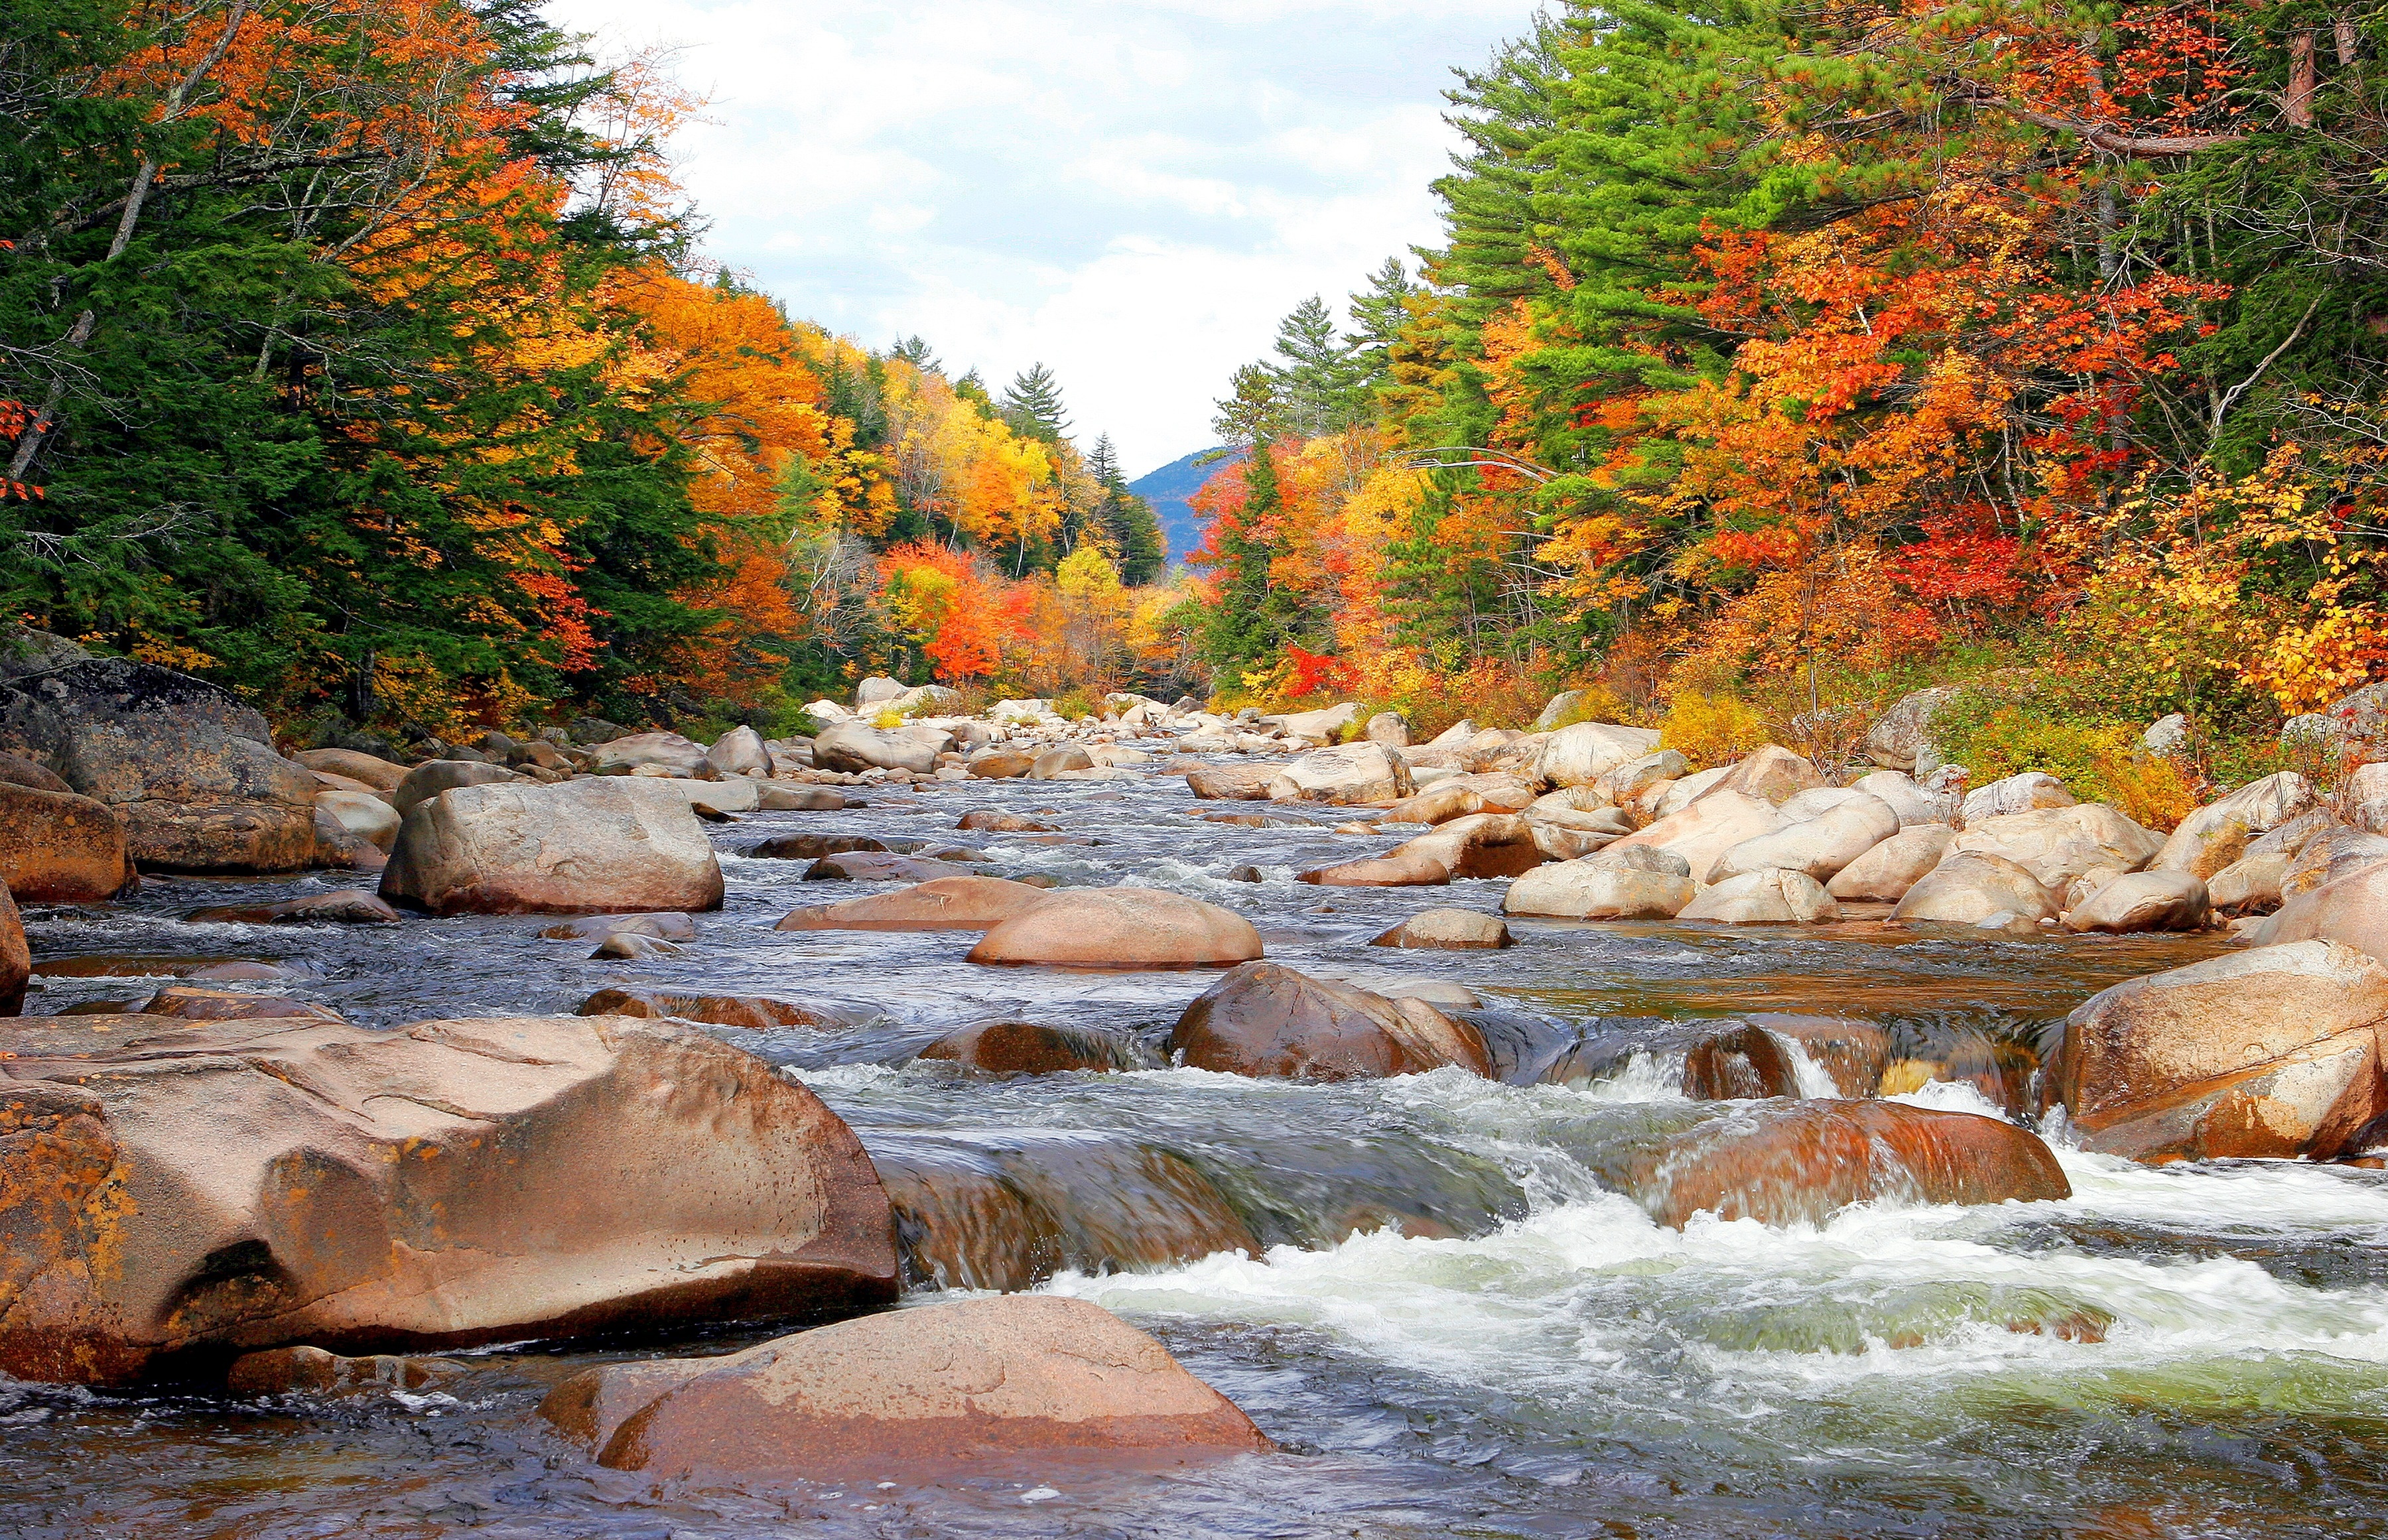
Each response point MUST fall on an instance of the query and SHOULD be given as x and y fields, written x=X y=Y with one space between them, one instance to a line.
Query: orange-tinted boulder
x=1129 y=927
x=1036 y=1048
x=754 y=1012
x=195 y=1003
x=56 y=847
x=1270 y=1022
x=944 y=903
x=16 y=959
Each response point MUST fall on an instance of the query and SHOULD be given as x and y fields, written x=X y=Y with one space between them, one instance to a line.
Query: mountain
x=1167 y=489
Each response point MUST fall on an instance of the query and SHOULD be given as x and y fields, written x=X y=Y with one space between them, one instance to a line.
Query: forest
x=364 y=358
x=1778 y=360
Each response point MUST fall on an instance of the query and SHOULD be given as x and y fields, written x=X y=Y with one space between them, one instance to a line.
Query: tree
x=1380 y=315
x=1032 y=405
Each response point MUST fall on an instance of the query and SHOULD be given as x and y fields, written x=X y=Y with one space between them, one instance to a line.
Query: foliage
x=1710 y=729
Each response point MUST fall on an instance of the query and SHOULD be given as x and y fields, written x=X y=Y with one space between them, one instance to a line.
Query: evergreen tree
x=915 y=351
x=1380 y=315
x=1032 y=404
x=1250 y=411
x=1318 y=384
x=1254 y=616
x=1128 y=519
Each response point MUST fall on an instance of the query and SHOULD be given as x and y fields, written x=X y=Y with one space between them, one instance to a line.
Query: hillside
x=1167 y=489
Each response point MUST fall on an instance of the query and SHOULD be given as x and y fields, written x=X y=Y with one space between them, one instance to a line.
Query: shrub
x=888 y=718
x=1996 y=732
x=1710 y=729
x=1075 y=704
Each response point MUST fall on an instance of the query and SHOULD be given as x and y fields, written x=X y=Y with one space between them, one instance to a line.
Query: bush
x=1710 y=729
x=888 y=718
x=1997 y=732
x=1075 y=704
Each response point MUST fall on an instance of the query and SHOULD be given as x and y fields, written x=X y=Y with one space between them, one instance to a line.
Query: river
x=1417 y=1287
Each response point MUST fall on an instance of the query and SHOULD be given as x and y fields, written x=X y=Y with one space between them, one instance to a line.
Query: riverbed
x=1419 y=1288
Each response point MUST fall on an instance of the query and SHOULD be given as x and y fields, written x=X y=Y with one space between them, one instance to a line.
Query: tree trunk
x=2297 y=101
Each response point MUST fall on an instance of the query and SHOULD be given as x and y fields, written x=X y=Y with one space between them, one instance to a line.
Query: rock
x=740 y=751
x=433 y=777
x=2165 y=736
x=2059 y=844
x=282 y=1371
x=1914 y=806
x=351 y=906
x=1246 y=873
x=629 y=946
x=875 y=690
x=1972 y=886
x=2329 y=855
x=1769 y=897
x=1403 y=866
x=59 y=846
x=1272 y=1023
x=1883 y=874
x=616 y=845
x=1667 y=800
x=670 y=753
x=1818 y=848
x=1557 y=709
x=2353 y=912
x=1389 y=729
x=754 y=1012
x=1901 y=738
x=1611 y=885
x=1053 y=762
x=943 y=903
x=1320 y=727
x=667 y=926
x=812 y=847
x=1135 y=927
x=2250 y=885
x=851 y=747
x=1480 y=845
x=16 y=967
x=1234 y=783
x=194 y=1002
x=995 y=821
x=877 y=866
x=1454 y=736
x=1449 y=930
x=1703 y=832
x=190 y=770
x=256 y=1184
x=370 y=818
x=339 y=848
x=371 y=769
x=1001 y=765
x=1770 y=774
x=2141 y=902
x=1111 y=756
x=1437 y=807
x=2273 y=1052
x=1783 y=1163
x=1635 y=776
x=1038 y=1048
x=1344 y=774
x=2217 y=834
x=24 y=772
x=1765 y=1056
x=1850 y=1054
x=1014 y=1382
x=1581 y=754
x=2028 y=792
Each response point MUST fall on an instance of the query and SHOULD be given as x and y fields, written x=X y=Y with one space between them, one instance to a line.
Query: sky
x=1131 y=192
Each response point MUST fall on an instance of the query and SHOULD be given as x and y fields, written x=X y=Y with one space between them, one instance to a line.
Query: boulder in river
x=1818 y=847
x=1769 y=897
x=1234 y=783
x=1038 y=1048
x=1799 y=1162
x=59 y=846
x=1272 y=1023
x=367 y=769
x=2271 y=1051
x=1449 y=930
x=617 y=844
x=740 y=751
x=1635 y=883
x=347 y=906
x=2329 y=854
x=1883 y=874
x=2138 y=901
x=433 y=777
x=2217 y=834
x=812 y=847
x=196 y=1002
x=754 y=1012
x=855 y=746
x=659 y=753
x=1480 y=845
x=996 y=821
x=665 y=925
x=882 y=867
x=2059 y=844
x=802 y=799
x=1581 y=754
x=190 y=770
x=2352 y=911
x=1972 y=886
x=1001 y=765
x=16 y=966
x=1050 y=765
x=1349 y=773
x=1703 y=832
x=367 y=816
x=1128 y=927
x=944 y=903
x=1019 y=1383
x=255 y=1184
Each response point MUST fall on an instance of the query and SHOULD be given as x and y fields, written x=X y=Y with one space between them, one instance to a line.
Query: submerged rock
x=1268 y=1021
x=280 y=1370
x=257 y=1185
x=192 y=1002
x=1137 y=927
x=618 y=843
x=665 y=926
x=1449 y=929
x=349 y=907
x=754 y=1012
x=942 y=903
x=1008 y=1384
x=1038 y=1048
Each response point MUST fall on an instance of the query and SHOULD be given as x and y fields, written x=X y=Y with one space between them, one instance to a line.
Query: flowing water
x=1417 y=1287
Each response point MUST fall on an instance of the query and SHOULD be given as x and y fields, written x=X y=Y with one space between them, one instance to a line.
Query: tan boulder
x=617 y=843
x=2059 y=844
x=1615 y=884
x=2031 y=791
x=253 y=1184
x=1769 y=897
x=998 y=765
x=854 y=747
x=1133 y=928
x=1703 y=832
x=946 y=903
x=433 y=777
x=1010 y=1383
x=1053 y=761
x=1403 y=866
x=663 y=926
x=1581 y=754
x=2329 y=855
x=1665 y=798
x=1272 y=1023
x=1438 y=805
x=1819 y=846
x=1901 y=738
x=1906 y=796
x=1883 y=874
x=1449 y=930
x=1969 y=887
x=1234 y=783
x=374 y=772
x=664 y=754
x=2215 y=836
x=24 y=772
x=740 y=751
x=1637 y=776
x=2250 y=885
x=1771 y=774
x=1389 y=729
x=1347 y=773
x=2353 y=912
x=57 y=847
x=2138 y=901
x=16 y=967
x=2273 y=1052
x=802 y=799
x=1038 y=1048
x=1799 y=1162
x=369 y=817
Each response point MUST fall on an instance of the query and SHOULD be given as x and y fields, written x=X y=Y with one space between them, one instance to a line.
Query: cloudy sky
x=1131 y=192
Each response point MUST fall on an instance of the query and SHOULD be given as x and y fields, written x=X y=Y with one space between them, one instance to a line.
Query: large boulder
x=2140 y=901
x=875 y=690
x=2217 y=834
x=56 y=847
x=1638 y=884
x=1131 y=928
x=1970 y=887
x=2059 y=844
x=1636 y=776
x=1559 y=708
x=2026 y=792
x=943 y=903
x=1001 y=765
x=1233 y=783
x=2330 y=855
x=1318 y=726
x=190 y=770
x=433 y=777
x=203 y=1188
x=1799 y=1162
x=664 y=754
x=1820 y=846
x=1901 y=738
x=1005 y=1047
x=1346 y=774
x=2272 y=1051
x=1769 y=897
x=369 y=769
x=1907 y=795
x=1449 y=930
x=1480 y=845
x=1014 y=1383
x=1581 y=754
x=2353 y=912
x=740 y=751
x=1703 y=832
x=1770 y=774
x=1389 y=728
x=1883 y=874
x=16 y=967
x=854 y=747
x=616 y=844
x=1268 y=1021
x=1438 y=805
x=1053 y=762
x=368 y=817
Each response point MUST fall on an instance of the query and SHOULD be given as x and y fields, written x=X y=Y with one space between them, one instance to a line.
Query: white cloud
x=1130 y=191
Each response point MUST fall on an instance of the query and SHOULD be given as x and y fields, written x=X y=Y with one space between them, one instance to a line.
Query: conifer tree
x=1128 y=519
x=1255 y=615
x=1032 y=405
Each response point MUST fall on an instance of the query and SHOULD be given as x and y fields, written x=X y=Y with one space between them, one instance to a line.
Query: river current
x=1419 y=1288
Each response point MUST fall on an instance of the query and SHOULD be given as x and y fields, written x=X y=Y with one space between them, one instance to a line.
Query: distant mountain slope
x=1167 y=489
